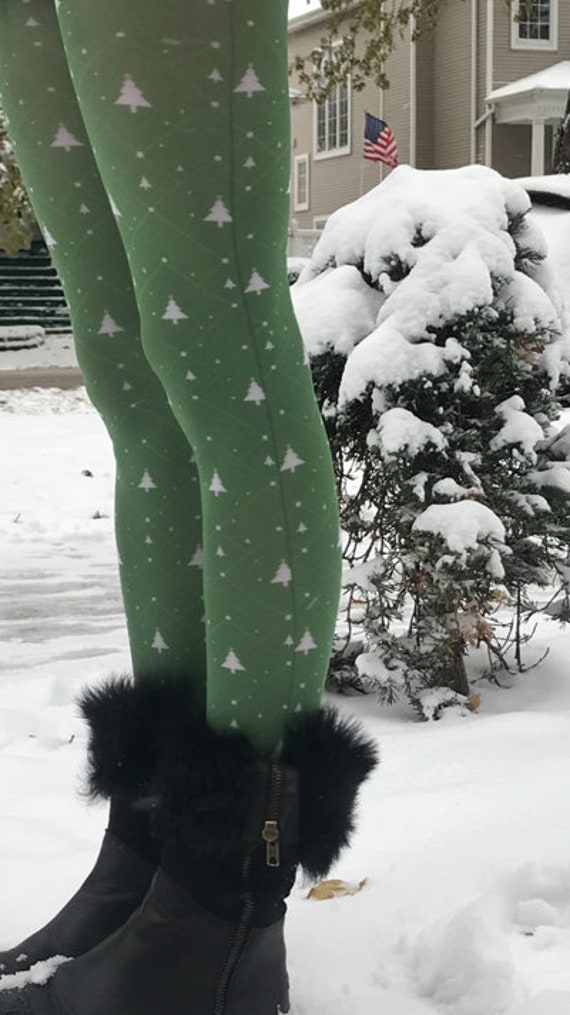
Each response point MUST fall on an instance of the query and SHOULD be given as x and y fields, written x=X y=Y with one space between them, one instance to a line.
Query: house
x=481 y=87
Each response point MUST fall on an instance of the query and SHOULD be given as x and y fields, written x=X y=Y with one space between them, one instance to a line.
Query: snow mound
x=44 y=401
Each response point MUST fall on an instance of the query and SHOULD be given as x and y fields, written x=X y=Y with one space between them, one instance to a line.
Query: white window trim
x=544 y=44
x=297 y=161
x=334 y=153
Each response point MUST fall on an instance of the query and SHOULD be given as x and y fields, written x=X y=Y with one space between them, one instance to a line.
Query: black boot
x=121 y=717
x=208 y=939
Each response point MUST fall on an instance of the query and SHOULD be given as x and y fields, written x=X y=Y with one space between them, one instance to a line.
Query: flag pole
x=381 y=105
x=362 y=168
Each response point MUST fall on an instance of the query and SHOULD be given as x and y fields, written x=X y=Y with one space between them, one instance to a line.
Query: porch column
x=537 y=148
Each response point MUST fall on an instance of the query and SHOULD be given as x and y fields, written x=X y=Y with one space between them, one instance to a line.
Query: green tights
x=153 y=138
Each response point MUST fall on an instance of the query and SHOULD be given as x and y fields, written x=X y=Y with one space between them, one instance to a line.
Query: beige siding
x=444 y=108
x=452 y=86
x=338 y=179
x=425 y=99
x=481 y=87
x=512 y=143
x=396 y=99
x=510 y=64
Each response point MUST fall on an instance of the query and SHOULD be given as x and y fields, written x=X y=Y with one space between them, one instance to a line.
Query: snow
x=434 y=246
x=554 y=78
x=56 y=350
x=463 y=831
x=518 y=428
x=299 y=7
x=462 y=526
x=399 y=430
x=336 y=311
x=553 y=183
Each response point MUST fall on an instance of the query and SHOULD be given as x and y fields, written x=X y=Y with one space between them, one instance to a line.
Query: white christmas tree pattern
x=269 y=461
x=230 y=284
x=32 y=23
x=291 y=461
x=306 y=643
x=283 y=575
x=197 y=560
x=108 y=325
x=131 y=96
x=65 y=139
x=159 y=643
x=146 y=482
x=215 y=75
x=232 y=662
x=249 y=83
x=249 y=163
x=288 y=641
x=173 y=312
x=255 y=393
x=301 y=527
x=218 y=213
x=144 y=184
x=84 y=210
x=256 y=283
x=190 y=376
x=216 y=486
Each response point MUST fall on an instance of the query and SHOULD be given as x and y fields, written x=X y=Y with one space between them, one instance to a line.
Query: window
x=332 y=121
x=319 y=222
x=301 y=183
x=536 y=24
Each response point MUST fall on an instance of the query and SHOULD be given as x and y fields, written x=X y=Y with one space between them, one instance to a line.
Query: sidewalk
x=51 y=365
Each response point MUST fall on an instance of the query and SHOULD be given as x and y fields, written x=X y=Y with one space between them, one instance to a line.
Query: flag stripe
x=379 y=142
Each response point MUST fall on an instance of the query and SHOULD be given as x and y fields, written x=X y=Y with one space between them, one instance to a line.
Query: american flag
x=379 y=142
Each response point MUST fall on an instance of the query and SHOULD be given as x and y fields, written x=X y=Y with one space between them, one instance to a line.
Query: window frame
x=549 y=44
x=320 y=221
x=299 y=160
x=332 y=153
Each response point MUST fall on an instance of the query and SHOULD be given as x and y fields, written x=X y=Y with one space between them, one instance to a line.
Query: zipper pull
x=270 y=836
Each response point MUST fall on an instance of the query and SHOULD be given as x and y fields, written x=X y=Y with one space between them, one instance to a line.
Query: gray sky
x=297 y=7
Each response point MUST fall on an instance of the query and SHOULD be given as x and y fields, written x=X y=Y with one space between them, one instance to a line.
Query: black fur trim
x=204 y=785
x=124 y=720
x=332 y=756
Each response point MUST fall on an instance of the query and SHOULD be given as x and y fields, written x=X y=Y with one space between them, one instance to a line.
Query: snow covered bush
x=436 y=341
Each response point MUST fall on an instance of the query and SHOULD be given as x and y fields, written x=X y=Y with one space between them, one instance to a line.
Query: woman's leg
x=187 y=111
x=158 y=521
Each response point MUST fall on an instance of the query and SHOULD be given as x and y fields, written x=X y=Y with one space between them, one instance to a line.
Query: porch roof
x=538 y=97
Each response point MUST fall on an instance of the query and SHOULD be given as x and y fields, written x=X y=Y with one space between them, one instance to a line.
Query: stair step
x=26 y=261
x=31 y=293
x=23 y=299
x=35 y=320
x=29 y=273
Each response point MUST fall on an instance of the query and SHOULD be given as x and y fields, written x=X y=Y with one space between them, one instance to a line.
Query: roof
x=553 y=79
x=313 y=16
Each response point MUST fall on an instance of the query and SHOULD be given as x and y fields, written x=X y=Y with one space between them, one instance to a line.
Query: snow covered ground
x=54 y=351
x=464 y=833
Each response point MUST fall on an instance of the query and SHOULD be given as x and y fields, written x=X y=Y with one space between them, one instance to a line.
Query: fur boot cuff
x=124 y=720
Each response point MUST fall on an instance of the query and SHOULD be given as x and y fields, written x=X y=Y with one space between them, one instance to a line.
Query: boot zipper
x=238 y=941
x=270 y=833
x=270 y=836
